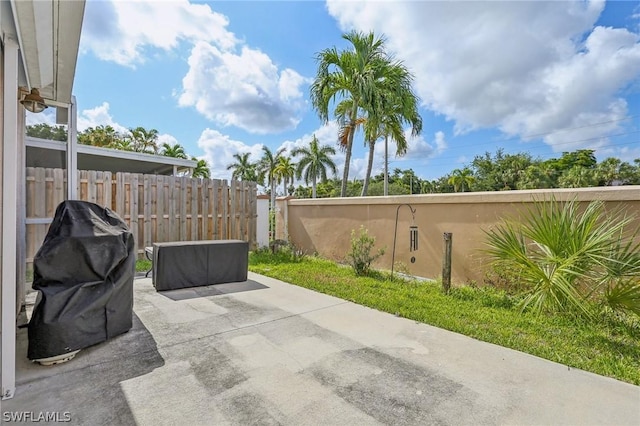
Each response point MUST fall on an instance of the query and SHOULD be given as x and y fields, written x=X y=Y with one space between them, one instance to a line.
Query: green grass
x=143 y=265
x=609 y=346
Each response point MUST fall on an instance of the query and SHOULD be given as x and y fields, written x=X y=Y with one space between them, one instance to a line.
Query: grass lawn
x=143 y=265
x=610 y=346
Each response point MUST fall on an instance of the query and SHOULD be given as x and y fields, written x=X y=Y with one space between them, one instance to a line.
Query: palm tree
x=243 y=169
x=314 y=162
x=285 y=170
x=266 y=170
x=349 y=74
x=201 y=170
x=461 y=178
x=144 y=140
x=175 y=151
x=397 y=105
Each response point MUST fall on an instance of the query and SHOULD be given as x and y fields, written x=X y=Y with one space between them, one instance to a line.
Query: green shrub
x=566 y=258
x=360 y=256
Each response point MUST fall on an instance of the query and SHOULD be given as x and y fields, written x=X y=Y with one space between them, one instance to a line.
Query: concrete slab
x=266 y=352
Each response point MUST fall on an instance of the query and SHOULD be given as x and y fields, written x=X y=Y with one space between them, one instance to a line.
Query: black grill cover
x=84 y=272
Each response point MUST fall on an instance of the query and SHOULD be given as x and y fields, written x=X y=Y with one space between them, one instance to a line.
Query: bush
x=360 y=257
x=566 y=258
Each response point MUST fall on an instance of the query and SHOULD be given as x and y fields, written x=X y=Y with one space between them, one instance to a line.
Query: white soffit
x=49 y=35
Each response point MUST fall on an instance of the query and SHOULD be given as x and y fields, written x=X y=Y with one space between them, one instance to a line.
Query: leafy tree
x=394 y=188
x=314 y=162
x=613 y=171
x=201 y=170
x=461 y=179
x=243 y=169
x=144 y=140
x=175 y=150
x=578 y=177
x=348 y=74
x=45 y=131
x=499 y=172
x=102 y=136
x=537 y=175
x=284 y=171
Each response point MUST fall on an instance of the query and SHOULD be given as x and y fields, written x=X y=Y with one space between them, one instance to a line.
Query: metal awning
x=49 y=36
x=51 y=154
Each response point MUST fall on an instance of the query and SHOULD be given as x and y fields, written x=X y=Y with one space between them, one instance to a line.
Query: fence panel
x=156 y=208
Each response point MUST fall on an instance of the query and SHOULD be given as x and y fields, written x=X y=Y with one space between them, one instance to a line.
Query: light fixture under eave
x=33 y=102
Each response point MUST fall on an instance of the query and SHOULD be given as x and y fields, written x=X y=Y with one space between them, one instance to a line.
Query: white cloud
x=418 y=148
x=227 y=82
x=524 y=67
x=245 y=90
x=48 y=116
x=98 y=116
x=219 y=150
x=123 y=31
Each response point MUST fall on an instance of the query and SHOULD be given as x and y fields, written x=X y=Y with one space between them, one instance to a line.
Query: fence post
x=446 y=263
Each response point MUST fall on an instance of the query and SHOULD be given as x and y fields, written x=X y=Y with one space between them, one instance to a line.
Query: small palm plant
x=567 y=257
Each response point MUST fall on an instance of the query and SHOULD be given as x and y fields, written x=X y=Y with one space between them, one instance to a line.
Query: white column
x=72 y=152
x=9 y=222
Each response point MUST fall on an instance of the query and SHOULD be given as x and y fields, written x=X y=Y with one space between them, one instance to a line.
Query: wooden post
x=446 y=263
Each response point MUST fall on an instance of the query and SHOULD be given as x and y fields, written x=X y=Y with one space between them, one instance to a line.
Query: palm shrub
x=360 y=256
x=566 y=258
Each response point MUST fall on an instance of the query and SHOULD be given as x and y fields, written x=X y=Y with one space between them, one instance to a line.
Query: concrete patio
x=266 y=352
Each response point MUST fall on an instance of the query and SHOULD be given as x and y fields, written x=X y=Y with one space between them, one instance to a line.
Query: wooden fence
x=156 y=208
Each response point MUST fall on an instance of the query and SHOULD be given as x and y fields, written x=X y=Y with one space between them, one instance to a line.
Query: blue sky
x=229 y=76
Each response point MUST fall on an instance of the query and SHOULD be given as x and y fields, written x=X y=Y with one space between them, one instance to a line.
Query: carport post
x=9 y=221
x=72 y=152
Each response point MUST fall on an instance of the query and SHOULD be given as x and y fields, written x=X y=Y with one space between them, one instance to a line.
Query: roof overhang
x=48 y=33
x=51 y=154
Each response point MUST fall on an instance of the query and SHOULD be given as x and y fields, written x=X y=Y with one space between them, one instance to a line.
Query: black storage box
x=199 y=263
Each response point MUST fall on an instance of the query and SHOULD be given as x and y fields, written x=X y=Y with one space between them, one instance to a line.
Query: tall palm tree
x=348 y=74
x=461 y=178
x=145 y=140
x=314 y=162
x=266 y=170
x=284 y=171
x=397 y=105
x=202 y=169
x=175 y=150
x=243 y=169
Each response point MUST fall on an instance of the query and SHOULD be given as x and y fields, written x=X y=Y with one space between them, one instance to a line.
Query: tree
x=613 y=171
x=461 y=178
x=578 y=177
x=314 y=163
x=266 y=170
x=348 y=74
x=45 y=131
x=202 y=169
x=175 y=151
x=395 y=105
x=145 y=140
x=284 y=171
x=102 y=136
x=243 y=169
x=499 y=172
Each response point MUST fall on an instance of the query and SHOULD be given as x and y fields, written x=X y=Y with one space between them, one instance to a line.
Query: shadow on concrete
x=87 y=387
x=212 y=290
